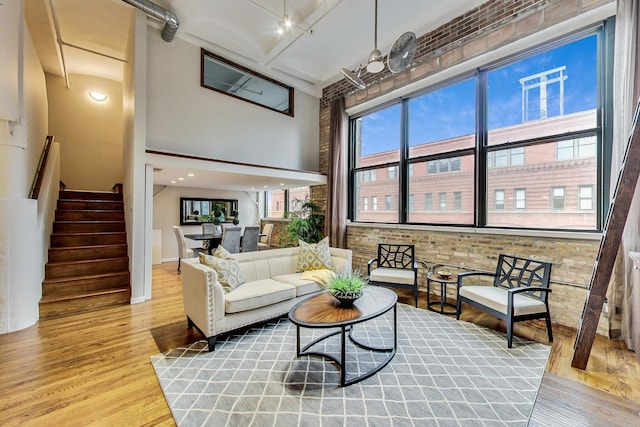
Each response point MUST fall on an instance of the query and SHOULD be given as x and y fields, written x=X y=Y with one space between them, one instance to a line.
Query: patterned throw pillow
x=221 y=252
x=314 y=256
x=229 y=274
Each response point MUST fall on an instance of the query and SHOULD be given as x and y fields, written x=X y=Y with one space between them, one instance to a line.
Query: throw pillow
x=314 y=256
x=221 y=252
x=229 y=274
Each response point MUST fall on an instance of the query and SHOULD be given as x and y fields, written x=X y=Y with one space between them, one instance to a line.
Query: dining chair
x=265 y=238
x=231 y=239
x=183 y=250
x=250 y=239
x=208 y=228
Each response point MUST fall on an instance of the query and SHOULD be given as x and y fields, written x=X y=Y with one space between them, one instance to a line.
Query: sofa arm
x=202 y=295
x=341 y=259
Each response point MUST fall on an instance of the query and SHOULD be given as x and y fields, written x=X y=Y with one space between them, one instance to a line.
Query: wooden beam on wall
x=614 y=227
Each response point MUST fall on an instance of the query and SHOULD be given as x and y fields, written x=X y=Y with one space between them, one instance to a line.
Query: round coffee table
x=323 y=311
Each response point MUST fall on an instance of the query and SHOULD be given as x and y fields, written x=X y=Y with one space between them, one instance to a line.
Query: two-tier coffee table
x=323 y=311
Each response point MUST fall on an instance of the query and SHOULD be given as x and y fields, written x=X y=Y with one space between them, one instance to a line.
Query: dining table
x=214 y=239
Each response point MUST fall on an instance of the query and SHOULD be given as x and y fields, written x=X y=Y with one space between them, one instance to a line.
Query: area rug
x=445 y=373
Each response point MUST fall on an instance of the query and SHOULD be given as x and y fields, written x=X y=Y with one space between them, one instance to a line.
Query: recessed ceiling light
x=282 y=183
x=180 y=178
x=266 y=186
x=189 y=174
x=173 y=182
x=97 y=96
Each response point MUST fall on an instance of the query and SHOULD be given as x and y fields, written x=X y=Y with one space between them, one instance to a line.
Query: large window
x=280 y=202
x=537 y=135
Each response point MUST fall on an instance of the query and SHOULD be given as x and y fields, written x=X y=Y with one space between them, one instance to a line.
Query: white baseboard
x=137 y=300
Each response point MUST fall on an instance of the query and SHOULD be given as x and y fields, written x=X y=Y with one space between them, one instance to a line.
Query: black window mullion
x=403 y=178
x=481 y=195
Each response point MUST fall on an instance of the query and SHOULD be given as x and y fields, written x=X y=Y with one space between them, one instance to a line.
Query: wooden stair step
x=87 y=239
x=66 y=305
x=54 y=270
x=87 y=226
x=88 y=195
x=79 y=253
x=90 y=283
x=89 y=205
x=89 y=214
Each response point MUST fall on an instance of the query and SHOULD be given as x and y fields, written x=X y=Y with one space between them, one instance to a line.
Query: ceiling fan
x=399 y=57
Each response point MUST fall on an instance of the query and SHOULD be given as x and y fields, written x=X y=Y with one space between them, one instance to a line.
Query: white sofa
x=272 y=287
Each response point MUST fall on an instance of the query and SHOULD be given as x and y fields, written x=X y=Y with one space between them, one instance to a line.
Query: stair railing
x=39 y=176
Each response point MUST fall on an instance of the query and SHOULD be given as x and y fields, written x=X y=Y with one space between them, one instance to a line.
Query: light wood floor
x=94 y=369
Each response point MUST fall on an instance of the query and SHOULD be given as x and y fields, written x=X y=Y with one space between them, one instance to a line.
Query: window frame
x=481 y=203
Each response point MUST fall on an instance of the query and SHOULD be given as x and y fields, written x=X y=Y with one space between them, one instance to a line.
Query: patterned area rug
x=445 y=373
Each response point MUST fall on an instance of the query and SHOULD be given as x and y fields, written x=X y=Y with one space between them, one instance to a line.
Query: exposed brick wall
x=572 y=258
x=495 y=23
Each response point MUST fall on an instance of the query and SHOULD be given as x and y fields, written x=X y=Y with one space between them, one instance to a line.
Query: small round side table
x=439 y=306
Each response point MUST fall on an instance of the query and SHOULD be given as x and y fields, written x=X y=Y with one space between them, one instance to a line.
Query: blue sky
x=450 y=111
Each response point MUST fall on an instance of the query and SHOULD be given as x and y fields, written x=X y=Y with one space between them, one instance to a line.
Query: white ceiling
x=91 y=36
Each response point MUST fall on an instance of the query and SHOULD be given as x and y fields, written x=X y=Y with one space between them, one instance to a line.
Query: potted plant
x=235 y=214
x=346 y=287
x=306 y=224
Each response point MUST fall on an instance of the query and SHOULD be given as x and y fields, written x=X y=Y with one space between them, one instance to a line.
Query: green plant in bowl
x=346 y=287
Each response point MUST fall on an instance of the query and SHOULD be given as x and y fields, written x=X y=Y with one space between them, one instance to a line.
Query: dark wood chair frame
x=396 y=256
x=516 y=275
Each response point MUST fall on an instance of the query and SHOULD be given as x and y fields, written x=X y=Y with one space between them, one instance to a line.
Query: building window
x=498 y=200
x=534 y=119
x=579 y=148
x=502 y=158
x=365 y=203
x=585 y=195
x=557 y=198
x=443 y=165
x=374 y=203
x=392 y=172
x=519 y=199
x=387 y=203
x=442 y=201
x=457 y=200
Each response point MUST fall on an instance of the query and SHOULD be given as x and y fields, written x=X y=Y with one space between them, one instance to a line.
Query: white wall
x=21 y=143
x=166 y=213
x=137 y=214
x=186 y=118
x=90 y=132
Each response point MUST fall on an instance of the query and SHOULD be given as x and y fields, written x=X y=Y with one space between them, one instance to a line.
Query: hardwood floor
x=94 y=368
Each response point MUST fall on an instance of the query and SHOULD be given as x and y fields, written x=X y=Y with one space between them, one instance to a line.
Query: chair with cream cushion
x=265 y=240
x=395 y=266
x=519 y=292
x=183 y=250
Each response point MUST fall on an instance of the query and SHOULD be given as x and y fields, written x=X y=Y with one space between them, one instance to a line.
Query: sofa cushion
x=302 y=286
x=229 y=274
x=314 y=256
x=496 y=298
x=258 y=293
x=392 y=275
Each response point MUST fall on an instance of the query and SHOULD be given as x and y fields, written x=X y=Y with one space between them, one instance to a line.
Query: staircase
x=88 y=266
